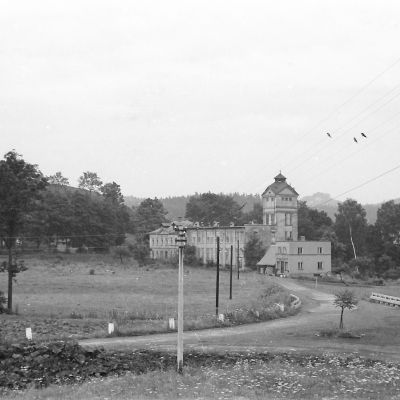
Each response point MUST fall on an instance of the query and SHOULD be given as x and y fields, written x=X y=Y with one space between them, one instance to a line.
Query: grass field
x=63 y=286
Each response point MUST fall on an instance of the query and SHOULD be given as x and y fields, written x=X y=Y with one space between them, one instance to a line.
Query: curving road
x=295 y=334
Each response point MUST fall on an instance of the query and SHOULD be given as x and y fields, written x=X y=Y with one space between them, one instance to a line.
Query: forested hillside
x=176 y=205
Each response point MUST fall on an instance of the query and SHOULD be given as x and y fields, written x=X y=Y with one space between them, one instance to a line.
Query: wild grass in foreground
x=250 y=376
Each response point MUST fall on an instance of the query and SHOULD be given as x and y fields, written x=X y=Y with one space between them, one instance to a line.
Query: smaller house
x=297 y=257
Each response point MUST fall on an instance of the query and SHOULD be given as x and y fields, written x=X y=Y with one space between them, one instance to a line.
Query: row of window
x=283 y=198
x=170 y=240
x=271 y=219
x=300 y=265
x=300 y=250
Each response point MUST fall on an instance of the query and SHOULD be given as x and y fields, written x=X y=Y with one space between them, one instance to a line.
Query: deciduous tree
x=112 y=192
x=90 y=181
x=21 y=184
x=344 y=299
x=208 y=208
x=58 y=179
x=254 y=250
x=149 y=215
x=351 y=227
x=312 y=223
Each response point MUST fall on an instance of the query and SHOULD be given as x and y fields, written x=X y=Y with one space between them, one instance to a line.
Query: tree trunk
x=341 y=319
x=352 y=243
x=10 y=280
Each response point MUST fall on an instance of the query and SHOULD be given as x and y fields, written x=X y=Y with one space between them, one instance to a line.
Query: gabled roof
x=269 y=257
x=279 y=185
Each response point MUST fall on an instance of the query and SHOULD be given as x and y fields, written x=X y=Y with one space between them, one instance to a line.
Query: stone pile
x=28 y=364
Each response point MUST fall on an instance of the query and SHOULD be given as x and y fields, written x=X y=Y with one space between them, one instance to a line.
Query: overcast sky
x=176 y=97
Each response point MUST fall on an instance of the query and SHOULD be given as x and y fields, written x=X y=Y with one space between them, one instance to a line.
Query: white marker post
x=28 y=333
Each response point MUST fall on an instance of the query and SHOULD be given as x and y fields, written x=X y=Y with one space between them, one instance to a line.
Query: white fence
x=296 y=302
x=385 y=299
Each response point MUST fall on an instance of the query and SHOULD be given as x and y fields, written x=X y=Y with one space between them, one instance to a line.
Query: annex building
x=286 y=253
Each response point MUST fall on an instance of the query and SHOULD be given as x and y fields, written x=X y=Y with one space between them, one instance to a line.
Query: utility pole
x=217 y=286
x=181 y=241
x=238 y=261
x=230 y=277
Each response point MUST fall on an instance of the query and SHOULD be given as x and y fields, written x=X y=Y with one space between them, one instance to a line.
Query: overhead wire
x=359 y=186
x=359 y=148
x=333 y=112
x=327 y=143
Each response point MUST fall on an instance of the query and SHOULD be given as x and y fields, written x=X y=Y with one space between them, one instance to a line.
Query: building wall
x=205 y=241
x=162 y=245
x=304 y=257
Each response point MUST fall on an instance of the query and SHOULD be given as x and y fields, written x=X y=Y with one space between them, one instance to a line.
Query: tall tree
x=254 y=250
x=351 y=227
x=255 y=215
x=112 y=192
x=20 y=186
x=90 y=181
x=58 y=179
x=210 y=207
x=312 y=223
x=149 y=215
x=388 y=226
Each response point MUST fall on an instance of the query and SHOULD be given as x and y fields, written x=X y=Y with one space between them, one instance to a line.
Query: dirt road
x=296 y=334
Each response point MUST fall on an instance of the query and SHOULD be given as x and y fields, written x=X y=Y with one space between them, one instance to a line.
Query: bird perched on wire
x=329 y=134
x=355 y=139
x=363 y=134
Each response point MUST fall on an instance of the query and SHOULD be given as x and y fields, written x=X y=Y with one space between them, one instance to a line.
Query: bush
x=254 y=251
x=3 y=302
x=190 y=256
x=393 y=273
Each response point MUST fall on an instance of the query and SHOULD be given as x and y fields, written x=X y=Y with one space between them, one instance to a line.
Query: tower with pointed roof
x=280 y=209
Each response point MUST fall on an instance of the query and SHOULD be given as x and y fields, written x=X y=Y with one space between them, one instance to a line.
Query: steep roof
x=269 y=257
x=279 y=185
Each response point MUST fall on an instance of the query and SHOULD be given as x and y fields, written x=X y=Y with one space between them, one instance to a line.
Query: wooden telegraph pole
x=181 y=241
x=230 y=277
x=217 y=285
x=237 y=260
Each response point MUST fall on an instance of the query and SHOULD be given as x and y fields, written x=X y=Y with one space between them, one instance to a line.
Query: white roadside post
x=181 y=241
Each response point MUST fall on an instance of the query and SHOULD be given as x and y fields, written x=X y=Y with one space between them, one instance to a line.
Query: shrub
x=393 y=273
x=190 y=256
x=3 y=302
x=121 y=252
x=254 y=250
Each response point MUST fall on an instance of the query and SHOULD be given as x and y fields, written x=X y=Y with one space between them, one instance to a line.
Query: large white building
x=285 y=254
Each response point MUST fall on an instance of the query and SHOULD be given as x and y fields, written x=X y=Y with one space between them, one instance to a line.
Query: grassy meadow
x=93 y=286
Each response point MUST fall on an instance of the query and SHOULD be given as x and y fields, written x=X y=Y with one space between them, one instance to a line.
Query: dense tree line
x=357 y=247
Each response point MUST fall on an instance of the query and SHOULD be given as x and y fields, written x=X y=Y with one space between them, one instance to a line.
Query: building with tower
x=286 y=253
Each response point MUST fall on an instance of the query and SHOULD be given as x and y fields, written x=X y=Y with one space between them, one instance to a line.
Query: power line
x=327 y=144
x=369 y=83
x=359 y=186
x=359 y=148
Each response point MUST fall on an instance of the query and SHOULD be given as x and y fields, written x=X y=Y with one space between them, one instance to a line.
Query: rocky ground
x=13 y=328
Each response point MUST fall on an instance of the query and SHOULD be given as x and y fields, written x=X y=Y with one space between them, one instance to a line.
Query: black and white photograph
x=199 y=199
